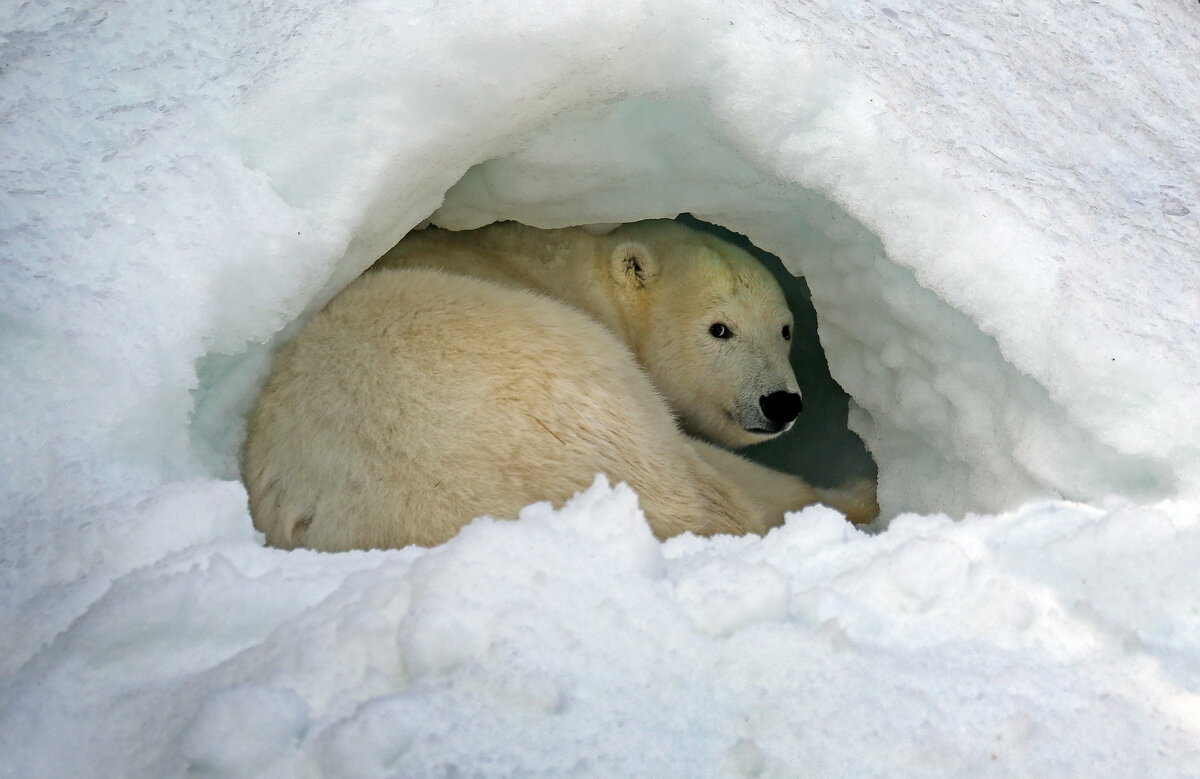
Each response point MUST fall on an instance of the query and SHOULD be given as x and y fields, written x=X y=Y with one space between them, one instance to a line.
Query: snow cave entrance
x=950 y=425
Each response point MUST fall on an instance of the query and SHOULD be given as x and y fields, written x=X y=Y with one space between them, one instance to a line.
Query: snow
x=572 y=643
x=995 y=207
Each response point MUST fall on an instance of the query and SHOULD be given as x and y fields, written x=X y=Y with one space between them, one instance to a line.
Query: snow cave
x=994 y=209
x=954 y=425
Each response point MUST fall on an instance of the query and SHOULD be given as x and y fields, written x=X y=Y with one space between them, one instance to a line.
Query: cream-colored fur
x=659 y=286
x=419 y=399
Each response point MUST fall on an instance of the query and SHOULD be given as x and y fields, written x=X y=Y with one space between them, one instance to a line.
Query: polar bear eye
x=787 y=333
x=718 y=330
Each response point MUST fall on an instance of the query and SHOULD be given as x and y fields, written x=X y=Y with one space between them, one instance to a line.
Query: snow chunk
x=239 y=732
x=723 y=596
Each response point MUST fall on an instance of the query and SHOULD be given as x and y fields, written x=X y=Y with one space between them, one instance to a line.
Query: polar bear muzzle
x=768 y=415
x=781 y=408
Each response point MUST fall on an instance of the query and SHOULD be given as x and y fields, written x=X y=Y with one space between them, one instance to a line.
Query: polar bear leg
x=773 y=493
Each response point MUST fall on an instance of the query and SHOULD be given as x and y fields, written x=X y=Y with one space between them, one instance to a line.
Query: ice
x=994 y=206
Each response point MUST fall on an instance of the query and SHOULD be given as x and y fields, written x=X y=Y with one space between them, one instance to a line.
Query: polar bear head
x=712 y=328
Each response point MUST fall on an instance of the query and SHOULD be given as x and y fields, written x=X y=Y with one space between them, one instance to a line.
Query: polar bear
x=473 y=373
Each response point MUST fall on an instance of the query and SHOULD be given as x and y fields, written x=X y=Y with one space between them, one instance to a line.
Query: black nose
x=780 y=408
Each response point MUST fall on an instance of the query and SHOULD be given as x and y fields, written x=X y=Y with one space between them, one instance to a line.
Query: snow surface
x=994 y=205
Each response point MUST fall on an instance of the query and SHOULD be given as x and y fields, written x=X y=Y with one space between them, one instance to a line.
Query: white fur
x=685 y=281
x=419 y=399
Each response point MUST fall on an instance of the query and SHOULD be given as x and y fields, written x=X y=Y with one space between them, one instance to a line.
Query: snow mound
x=571 y=643
x=995 y=208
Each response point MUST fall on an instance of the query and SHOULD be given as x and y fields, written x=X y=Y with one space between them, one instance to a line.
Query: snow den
x=953 y=424
x=994 y=206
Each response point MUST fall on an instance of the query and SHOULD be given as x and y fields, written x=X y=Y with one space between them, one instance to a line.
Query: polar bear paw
x=858 y=501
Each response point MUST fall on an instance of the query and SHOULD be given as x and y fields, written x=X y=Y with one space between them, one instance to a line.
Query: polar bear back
x=418 y=400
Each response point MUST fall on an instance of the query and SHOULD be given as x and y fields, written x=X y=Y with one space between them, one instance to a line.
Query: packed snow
x=994 y=205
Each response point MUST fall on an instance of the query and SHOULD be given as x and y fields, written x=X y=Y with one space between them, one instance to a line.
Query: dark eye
x=787 y=333
x=719 y=330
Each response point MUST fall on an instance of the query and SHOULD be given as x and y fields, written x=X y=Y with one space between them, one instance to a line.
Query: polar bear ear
x=633 y=265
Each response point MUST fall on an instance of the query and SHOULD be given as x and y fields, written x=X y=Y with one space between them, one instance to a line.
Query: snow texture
x=995 y=207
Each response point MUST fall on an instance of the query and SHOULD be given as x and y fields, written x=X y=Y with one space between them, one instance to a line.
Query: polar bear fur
x=474 y=373
x=658 y=285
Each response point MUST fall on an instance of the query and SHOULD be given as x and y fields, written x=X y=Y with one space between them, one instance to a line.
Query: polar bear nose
x=780 y=408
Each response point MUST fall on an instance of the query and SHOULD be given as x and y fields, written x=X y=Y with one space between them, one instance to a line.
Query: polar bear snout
x=780 y=408
x=767 y=415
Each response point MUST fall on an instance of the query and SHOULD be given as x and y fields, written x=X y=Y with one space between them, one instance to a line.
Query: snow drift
x=994 y=208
